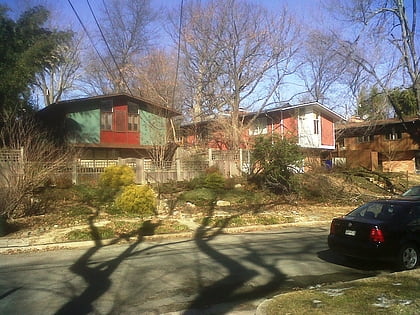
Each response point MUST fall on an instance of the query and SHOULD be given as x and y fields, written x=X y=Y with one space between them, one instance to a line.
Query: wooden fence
x=228 y=162
x=10 y=166
x=184 y=168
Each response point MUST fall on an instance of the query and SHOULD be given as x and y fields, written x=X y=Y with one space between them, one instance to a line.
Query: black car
x=412 y=192
x=380 y=230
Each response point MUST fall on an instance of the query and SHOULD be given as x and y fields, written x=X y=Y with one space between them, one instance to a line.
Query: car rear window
x=413 y=191
x=377 y=210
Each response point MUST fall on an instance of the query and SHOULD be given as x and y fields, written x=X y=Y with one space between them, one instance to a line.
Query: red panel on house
x=119 y=133
x=290 y=126
x=327 y=129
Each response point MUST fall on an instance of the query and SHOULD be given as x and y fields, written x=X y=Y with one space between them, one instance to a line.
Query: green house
x=110 y=126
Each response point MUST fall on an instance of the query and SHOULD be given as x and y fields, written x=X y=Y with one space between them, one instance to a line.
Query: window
x=133 y=117
x=366 y=138
x=393 y=135
x=259 y=127
x=120 y=121
x=316 y=124
x=106 y=115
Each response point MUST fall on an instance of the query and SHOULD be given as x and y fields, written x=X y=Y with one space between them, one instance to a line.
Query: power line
x=109 y=49
x=90 y=39
x=178 y=52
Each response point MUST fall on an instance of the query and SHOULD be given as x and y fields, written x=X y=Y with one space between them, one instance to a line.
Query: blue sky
x=307 y=11
x=300 y=7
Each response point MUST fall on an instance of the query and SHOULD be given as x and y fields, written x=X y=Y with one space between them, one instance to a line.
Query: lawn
x=396 y=293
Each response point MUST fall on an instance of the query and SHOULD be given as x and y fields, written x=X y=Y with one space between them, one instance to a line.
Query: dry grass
x=396 y=293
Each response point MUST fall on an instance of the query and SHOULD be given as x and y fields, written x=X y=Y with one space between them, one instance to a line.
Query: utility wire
x=178 y=53
x=91 y=39
x=109 y=48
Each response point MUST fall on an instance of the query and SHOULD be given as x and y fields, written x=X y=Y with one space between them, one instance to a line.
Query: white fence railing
x=147 y=171
x=183 y=168
x=10 y=166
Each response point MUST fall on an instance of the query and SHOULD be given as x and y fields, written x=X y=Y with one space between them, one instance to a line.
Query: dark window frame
x=316 y=124
x=393 y=135
x=107 y=115
x=365 y=139
x=133 y=119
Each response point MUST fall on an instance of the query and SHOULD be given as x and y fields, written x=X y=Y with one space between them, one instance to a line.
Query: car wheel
x=408 y=257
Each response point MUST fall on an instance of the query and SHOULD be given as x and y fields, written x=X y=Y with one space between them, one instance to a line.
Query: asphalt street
x=212 y=273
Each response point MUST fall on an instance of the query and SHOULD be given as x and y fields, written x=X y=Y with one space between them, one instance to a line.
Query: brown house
x=379 y=145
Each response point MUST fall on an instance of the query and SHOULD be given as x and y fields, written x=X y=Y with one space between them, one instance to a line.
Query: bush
x=196 y=182
x=200 y=196
x=214 y=181
x=137 y=199
x=113 y=179
x=86 y=193
x=275 y=162
x=211 y=179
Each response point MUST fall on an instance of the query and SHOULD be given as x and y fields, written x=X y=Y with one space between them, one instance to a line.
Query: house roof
x=375 y=123
x=322 y=108
x=350 y=129
x=69 y=104
x=335 y=117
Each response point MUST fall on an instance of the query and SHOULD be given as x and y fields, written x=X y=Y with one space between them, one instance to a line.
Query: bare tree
x=383 y=42
x=322 y=66
x=62 y=71
x=40 y=159
x=125 y=32
x=156 y=78
x=236 y=55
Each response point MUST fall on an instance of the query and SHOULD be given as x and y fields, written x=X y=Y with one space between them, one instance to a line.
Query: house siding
x=307 y=136
x=289 y=128
x=88 y=126
x=122 y=136
x=399 y=166
x=369 y=144
x=327 y=132
x=152 y=129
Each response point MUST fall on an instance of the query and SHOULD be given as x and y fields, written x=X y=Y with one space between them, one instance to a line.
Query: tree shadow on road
x=235 y=287
x=98 y=277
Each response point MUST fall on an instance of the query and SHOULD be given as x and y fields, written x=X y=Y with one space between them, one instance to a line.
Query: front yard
x=76 y=213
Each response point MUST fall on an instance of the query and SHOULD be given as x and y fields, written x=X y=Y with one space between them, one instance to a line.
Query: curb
x=11 y=246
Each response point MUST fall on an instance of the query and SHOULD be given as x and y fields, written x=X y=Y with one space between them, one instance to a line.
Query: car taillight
x=376 y=235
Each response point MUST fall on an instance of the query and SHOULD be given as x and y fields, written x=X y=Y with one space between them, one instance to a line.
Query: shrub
x=196 y=182
x=137 y=199
x=86 y=193
x=200 y=196
x=214 y=180
x=113 y=179
x=275 y=161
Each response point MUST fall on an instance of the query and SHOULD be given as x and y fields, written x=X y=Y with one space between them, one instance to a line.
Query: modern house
x=110 y=126
x=311 y=125
x=387 y=145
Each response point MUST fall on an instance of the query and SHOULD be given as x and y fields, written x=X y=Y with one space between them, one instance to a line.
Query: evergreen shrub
x=137 y=199
x=214 y=181
x=113 y=179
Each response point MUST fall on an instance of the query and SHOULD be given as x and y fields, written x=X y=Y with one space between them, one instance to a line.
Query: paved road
x=214 y=273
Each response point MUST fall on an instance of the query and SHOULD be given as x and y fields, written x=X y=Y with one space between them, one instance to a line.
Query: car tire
x=408 y=257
